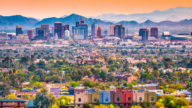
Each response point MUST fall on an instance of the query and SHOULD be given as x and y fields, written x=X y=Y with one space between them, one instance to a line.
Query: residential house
x=138 y=95
x=20 y=94
x=55 y=91
x=69 y=93
x=127 y=97
x=93 y=97
x=80 y=98
x=12 y=103
x=104 y=97
x=128 y=78
x=116 y=98
x=151 y=97
x=148 y=86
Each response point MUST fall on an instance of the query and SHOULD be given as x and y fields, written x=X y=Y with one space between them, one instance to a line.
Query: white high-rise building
x=67 y=34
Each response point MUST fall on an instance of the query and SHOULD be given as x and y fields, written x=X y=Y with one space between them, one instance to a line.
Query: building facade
x=94 y=28
x=58 y=30
x=81 y=98
x=80 y=30
x=151 y=97
x=104 y=97
x=19 y=30
x=154 y=32
x=93 y=97
x=144 y=33
x=30 y=34
x=116 y=98
x=119 y=31
x=99 y=35
x=111 y=30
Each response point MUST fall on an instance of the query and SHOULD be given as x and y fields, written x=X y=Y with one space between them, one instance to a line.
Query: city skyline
x=58 y=8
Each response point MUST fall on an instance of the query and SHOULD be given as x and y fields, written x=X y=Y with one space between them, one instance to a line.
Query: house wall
x=148 y=98
x=127 y=98
x=104 y=96
x=131 y=78
x=83 y=96
x=12 y=104
x=137 y=95
x=115 y=96
x=92 y=96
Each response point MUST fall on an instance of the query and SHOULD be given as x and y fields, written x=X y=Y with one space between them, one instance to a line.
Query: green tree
x=41 y=64
x=86 y=105
x=182 y=102
x=174 y=78
x=32 y=67
x=103 y=75
x=74 y=84
x=43 y=99
x=170 y=101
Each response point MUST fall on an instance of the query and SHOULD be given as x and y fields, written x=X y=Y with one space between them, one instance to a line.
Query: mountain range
x=10 y=22
x=172 y=14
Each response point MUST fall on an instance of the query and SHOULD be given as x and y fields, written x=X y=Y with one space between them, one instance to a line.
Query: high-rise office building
x=94 y=28
x=41 y=34
x=67 y=34
x=58 y=29
x=111 y=30
x=145 y=34
x=46 y=28
x=66 y=27
x=119 y=31
x=80 y=30
x=99 y=35
x=141 y=31
x=10 y=36
x=19 y=30
x=30 y=34
x=154 y=32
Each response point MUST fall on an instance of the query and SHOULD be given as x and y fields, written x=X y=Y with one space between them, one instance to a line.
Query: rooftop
x=12 y=100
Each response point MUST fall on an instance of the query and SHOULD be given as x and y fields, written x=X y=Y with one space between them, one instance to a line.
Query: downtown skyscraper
x=119 y=31
x=94 y=28
x=80 y=30
x=154 y=32
x=19 y=30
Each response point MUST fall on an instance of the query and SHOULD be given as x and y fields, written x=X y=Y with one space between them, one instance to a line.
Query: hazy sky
x=57 y=8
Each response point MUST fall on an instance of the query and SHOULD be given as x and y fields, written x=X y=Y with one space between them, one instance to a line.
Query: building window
x=129 y=99
x=152 y=99
x=95 y=99
x=124 y=104
x=129 y=104
x=79 y=99
x=140 y=98
x=106 y=99
x=78 y=105
x=117 y=98
x=118 y=104
x=152 y=104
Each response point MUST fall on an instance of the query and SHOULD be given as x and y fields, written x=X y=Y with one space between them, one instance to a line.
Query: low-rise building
x=12 y=103
x=104 y=97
